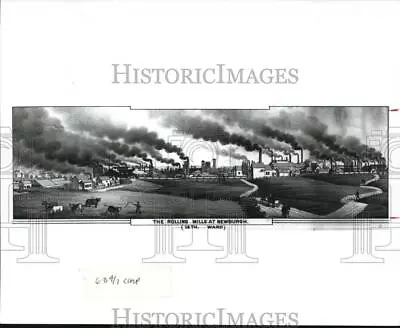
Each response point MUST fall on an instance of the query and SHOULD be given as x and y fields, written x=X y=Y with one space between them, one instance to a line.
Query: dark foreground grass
x=377 y=206
x=153 y=204
x=311 y=195
x=381 y=183
x=341 y=179
x=211 y=190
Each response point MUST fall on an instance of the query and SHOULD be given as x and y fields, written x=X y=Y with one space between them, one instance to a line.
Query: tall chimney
x=301 y=154
x=260 y=156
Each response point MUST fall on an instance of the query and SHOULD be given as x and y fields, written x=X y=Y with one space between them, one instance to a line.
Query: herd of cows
x=77 y=208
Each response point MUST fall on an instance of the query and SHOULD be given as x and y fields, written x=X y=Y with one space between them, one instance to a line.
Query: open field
x=211 y=190
x=311 y=195
x=382 y=183
x=153 y=204
x=377 y=206
x=341 y=179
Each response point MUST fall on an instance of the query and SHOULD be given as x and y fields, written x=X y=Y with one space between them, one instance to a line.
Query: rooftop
x=260 y=166
x=286 y=166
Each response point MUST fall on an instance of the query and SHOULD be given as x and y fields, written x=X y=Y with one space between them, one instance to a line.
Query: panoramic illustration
x=282 y=162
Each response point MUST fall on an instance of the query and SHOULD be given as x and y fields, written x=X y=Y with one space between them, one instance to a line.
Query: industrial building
x=293 y=163
x=280 y=165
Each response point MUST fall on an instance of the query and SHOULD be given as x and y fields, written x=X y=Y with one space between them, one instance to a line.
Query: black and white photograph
x=205 y=163
x=117 y=163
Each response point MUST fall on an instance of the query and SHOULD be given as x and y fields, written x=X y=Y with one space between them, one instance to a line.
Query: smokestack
x=214 y=165
x=301 y=154
x=260 y=156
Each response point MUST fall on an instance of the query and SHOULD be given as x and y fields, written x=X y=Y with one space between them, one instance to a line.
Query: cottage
x=269 y=172
x=260 y=170
x=27 y=184
x=103 y=180
x=237 y=171
x=85 y=185
x=283 y=169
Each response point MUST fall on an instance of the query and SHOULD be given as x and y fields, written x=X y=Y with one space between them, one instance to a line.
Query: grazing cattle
x=113 y=210
x=49 y=205
x=56 y=209
x=92 y=202
x=76 y=207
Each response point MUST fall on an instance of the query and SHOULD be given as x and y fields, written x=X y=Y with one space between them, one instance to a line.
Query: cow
x=56 y=209
x=113 y=210
x=49 y=205
x=92 y=201
x=76 y=207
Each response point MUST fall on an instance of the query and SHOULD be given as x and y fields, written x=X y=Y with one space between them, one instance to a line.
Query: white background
x=60 y=53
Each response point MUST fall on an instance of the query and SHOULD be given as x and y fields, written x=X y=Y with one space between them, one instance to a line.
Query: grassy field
x=211 y=190
x=341 y=179
x=382 y=183
x=154 y=204
x=377 y=205
x=311 y=195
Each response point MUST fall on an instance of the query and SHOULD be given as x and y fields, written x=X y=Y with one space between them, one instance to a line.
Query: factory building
x=260 y=170
x=281 y=165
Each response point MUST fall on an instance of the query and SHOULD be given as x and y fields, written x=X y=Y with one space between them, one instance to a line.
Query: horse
x=56 y=209
x=113 y=210
x=49 y=205
x=92 y=201
x=76 y=207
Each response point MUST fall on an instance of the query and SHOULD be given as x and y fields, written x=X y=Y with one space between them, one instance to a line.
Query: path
x=249 y=192
x=351 y=208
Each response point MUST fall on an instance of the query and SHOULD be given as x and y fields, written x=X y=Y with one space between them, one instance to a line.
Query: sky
x=227 y=135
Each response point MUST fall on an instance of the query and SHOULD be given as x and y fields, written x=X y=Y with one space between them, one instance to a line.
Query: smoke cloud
x=79 y=120
x=45 y=135
x=204 y=129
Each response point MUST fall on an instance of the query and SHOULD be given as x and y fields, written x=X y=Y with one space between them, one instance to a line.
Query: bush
x=251 y=208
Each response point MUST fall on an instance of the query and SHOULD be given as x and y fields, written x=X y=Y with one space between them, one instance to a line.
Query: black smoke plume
x=81 y=120
x=39 y=132
x=204 y=129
